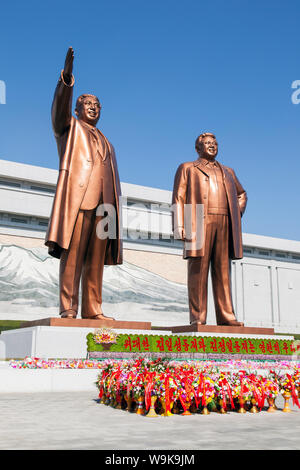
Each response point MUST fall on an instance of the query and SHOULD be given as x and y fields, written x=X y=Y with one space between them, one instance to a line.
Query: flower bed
x=167 y=387
x=38 y=363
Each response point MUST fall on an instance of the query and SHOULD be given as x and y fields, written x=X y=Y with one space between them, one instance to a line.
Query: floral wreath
x=105 y=335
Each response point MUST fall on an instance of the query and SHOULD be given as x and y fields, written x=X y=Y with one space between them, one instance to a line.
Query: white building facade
x=265 y=283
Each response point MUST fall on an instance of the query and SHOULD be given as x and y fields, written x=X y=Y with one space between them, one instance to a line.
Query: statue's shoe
x=68 y=314
x=232 y=323
x=196 y=322
x=100 y=316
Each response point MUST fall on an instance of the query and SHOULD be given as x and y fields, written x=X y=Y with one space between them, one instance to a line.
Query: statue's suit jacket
x=76 y=163
x=191 y=186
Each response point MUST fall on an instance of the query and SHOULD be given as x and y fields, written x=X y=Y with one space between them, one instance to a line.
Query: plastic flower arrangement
x=223 y=388
x=105 y=335
x=271 y=388
x=205 y=389
x=38 y=363
x=241 y=387
x=296 y=378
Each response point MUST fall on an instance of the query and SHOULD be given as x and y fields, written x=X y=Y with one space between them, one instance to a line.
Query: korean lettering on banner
x=251 y=346
x=194 y=346
x=285 y=348
x=229 y=346
x=127 y=343
x=213 y=345
x=177 y=344
x=160 y=343
x=221 y=345
x=276 y=347
x=237 y=346
x=201 y=345
x=262 y=347
x=168 y=344
x=145 y=344
x=269 y=347
x=136 y=344
x=245 y=347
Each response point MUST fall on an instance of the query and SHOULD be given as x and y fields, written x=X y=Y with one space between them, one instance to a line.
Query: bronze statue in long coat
x=88 y=177
x=212 y=236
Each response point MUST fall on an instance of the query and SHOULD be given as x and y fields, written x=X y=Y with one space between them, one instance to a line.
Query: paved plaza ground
x=76 y=421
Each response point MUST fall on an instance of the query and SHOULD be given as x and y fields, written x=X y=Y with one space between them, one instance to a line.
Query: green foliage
x=10 y=324
x=194 y=344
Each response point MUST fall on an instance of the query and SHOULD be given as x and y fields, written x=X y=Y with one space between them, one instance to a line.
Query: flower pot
x=165 y=412
x=205 y=411
x=152 y=413
x=242 y=406
x=187 y=410
x=286 y=396
x=254 y=407
x=140 y=407
x=175 y=408
x=222 y=409
x=128 y=401
x=271 y=402
x=193 y=407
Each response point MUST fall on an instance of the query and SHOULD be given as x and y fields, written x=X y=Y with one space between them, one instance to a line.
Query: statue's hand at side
x=179 y=233
x=68 y=67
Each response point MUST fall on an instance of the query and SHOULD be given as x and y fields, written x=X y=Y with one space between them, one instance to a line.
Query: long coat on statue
x=191 y=186
x=75 y=168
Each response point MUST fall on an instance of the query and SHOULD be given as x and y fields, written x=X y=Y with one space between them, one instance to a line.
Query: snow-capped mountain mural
x=29 y=290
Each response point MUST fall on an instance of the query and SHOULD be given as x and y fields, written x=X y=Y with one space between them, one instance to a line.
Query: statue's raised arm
x=68 y=67
x=61 y=111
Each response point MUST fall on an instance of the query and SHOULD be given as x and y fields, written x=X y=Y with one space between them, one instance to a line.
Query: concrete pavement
x=76 y=421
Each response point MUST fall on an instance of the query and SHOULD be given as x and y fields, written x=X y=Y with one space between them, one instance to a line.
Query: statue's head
x=207 y=146
x=88 y=109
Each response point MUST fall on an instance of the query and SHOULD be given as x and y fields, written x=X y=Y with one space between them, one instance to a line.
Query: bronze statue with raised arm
x=216 y=188
x=88 y=178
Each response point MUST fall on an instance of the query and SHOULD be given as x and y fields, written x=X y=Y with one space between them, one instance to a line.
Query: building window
x=19 y=220
x=11 y=184
x=280 y=255
x=263 y=252
x=43 y=189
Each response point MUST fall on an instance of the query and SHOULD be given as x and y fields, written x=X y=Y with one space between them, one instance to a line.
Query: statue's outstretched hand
x=68 y=67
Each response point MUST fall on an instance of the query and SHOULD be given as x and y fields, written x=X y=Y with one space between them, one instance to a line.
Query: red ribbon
x=226 y=387
x=148 y=389
x=293 y=391
x=129 y=383
x=258 y=390
x=167 y=392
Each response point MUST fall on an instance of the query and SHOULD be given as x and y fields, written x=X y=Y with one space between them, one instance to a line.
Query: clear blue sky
x=165 y=71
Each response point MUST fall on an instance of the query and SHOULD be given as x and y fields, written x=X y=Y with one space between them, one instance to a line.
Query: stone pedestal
x=223 y=329
x=86 y=323
x=55 y=342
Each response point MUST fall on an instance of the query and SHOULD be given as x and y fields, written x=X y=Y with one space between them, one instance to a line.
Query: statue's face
x=89 y=110
x=208 y=148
